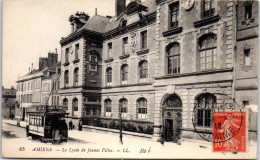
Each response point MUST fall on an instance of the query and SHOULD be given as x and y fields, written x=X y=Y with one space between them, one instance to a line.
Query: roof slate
x=115 y=21
x=101 y=24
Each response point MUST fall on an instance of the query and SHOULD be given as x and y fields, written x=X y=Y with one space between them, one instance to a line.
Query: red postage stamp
x=229 y=131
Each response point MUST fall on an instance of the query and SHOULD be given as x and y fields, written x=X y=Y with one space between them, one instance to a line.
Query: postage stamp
x=229 y=131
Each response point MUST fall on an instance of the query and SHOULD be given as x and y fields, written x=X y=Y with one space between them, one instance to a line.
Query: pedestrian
x=80 y=125
x=70 y=125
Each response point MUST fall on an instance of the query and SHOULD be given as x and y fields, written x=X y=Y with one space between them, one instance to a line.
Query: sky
x=32 y=28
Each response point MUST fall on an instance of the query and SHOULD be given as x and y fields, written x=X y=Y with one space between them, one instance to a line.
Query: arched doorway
x=172 y=117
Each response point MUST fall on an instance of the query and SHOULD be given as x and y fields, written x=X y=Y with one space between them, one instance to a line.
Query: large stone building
x=195 y=50
x=161 y=65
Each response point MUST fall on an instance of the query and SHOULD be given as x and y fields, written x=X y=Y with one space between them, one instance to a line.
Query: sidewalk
x=14 y=122
x=136 y=144
x=108 y=138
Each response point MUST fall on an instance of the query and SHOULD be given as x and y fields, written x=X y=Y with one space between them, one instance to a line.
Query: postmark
x=203 y=119
x=229 y=131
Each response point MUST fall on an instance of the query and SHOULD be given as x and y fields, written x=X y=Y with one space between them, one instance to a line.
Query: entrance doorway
x=172 y=118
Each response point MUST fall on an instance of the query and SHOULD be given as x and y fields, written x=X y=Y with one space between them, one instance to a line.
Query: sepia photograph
x=139 y=79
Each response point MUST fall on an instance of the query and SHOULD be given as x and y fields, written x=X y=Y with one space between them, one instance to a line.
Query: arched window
x=142 y=108
x=205 y=104
x=173 y=57
x=248 y=7
x=207 y=51
x=75 y=104
x=109 y=76
x=76 y=76
x=66 y=78
x=124 y=73
x=143 y=70
x=65 y=104
x=123 y=107
x=108 y=110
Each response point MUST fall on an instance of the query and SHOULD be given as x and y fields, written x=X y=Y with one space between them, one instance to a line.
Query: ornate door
x=177 y=124
x=172 y=120
x=168 y=125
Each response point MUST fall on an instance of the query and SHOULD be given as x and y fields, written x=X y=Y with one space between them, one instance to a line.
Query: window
x=144 y=40
x=207 y=51
x=143 y=70
x=67 y=55
x=206 y=103
x=109 y=50
x=65 y=104
x=142 y=108
x=173 y=58
x=77 y=52
x=108 y=105
x=75 y=104
x=93 y=62
x=174 y=15
x=109 y=76
x=66 y=78
x=247 y=58
x=124 y=73
x=125 y=45
x=207 y=8
x=123 y=107
x=248 y=10
x=76 y=76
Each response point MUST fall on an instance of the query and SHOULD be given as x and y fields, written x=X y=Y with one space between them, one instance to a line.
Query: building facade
x=195 y=50
x=29 y=88
x=128 y=68
x=163 y=65
x=8 y=102
x=246 y=61
x=81 y=67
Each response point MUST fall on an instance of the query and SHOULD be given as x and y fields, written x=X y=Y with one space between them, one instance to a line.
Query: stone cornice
x=78 y=35
x=172 y=31
x=206 y=21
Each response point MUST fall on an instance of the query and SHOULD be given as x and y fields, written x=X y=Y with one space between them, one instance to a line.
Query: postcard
x=142 y=79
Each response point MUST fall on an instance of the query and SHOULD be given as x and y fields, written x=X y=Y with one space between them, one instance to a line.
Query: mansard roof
x=148 y=5
x=96 y=23
x=100 y=25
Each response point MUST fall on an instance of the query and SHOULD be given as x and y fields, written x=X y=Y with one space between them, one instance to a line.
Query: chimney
x=120 y=7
